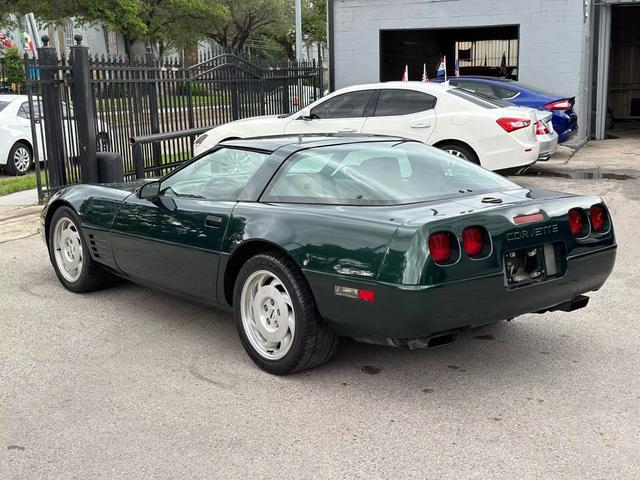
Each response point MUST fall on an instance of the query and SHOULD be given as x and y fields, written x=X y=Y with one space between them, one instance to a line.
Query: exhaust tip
x=441 y=340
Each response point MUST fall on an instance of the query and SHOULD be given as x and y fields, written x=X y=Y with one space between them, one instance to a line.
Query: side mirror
x=305 y=114
x=149 y=190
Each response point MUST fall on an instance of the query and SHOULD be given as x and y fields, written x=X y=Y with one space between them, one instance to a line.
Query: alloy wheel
x=67 y=246
x=457 y=153
x=22 y=159
x=267 y=315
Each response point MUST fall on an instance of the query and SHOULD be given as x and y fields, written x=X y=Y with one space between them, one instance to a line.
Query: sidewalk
x=597 y=159
x=19 y=215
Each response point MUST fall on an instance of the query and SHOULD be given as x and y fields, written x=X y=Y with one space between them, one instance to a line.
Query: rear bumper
x=416 y=312
x=548 y=146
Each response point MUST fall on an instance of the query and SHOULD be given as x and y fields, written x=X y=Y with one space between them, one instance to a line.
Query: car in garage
x=489 y=132
x=16 y=138
x=310 y=238
x=565 y=119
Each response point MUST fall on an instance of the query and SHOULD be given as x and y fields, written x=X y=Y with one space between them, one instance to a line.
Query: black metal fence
x=83 y=105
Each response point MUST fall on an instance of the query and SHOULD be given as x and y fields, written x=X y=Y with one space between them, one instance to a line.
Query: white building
x=585 y=49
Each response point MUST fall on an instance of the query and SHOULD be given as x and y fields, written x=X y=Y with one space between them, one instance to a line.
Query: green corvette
x=311 y=238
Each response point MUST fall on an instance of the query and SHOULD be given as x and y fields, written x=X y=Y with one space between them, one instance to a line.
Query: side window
x=221 y=175
x=348 y=105
x=403 y=102
x=23 y=111
x=504 y=93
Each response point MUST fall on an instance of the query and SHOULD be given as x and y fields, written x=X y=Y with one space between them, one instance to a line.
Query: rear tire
x=19 y=160
x=70 y=256
x=460 y=151
x=277 y=318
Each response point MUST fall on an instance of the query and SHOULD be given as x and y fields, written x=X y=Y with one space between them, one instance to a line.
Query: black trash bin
x=110 y=169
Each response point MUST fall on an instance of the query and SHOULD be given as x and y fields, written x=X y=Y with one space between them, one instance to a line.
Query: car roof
x=483 y=77
x=412 y=85
x=13 y=98
x=300 y=142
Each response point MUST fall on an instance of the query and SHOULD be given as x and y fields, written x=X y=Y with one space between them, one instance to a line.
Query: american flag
x=405 y=75
x=457 y=68
x=425 y=77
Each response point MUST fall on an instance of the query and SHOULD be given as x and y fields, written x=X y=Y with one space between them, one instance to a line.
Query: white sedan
x=16 y=140
x=494 y=134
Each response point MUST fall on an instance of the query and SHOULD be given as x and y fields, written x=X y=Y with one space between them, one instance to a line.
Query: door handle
x=347 y=130
x=213 y=221
x=420 y=125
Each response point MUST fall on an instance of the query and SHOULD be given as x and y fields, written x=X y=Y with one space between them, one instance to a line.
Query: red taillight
x=541 y=128
x=440 y=247
x=559 y=105
x=510 y=124
x=366 y=295
x=576 y=222
x=598 y=218
x=472 y=241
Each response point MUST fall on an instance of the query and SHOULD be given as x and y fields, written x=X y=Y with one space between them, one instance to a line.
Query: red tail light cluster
x=440 y=247
x=565 y=104
x=541 y=128
x=579 y=223
x=510 y=124
x=472 y=241
x=599 y=219
x=444 y=247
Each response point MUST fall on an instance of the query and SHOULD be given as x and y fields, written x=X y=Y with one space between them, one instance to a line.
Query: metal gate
x=82 y=105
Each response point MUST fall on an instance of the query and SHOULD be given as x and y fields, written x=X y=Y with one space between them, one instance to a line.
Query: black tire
x=92 y=276
x=314 y=342
x=466 y=152
x=14 y=167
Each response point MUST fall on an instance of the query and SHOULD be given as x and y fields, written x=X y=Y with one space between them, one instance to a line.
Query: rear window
x=3 y=105
x=480 y=99
x=378 y=173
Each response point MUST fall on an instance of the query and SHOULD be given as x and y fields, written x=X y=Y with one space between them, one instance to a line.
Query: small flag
x=28 y=44
x=503 y=65
x=5 y=42
x=441 y=71
x=425 y=77
x=457 y=67
x=405 y=75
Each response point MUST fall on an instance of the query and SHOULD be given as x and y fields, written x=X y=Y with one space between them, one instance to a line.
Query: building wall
x=553 y=34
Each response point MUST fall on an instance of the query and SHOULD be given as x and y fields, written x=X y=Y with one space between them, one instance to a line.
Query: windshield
x=379 y=173
x=532 y=89
x=3 y=105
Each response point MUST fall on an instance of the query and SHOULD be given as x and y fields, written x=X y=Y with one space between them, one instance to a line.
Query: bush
x=14 y=68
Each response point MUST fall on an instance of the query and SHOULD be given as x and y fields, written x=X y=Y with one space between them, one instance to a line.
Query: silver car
x=545 y=134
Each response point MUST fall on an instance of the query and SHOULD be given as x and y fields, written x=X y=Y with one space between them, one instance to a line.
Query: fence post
x=152 y=92
x=51 y=114
x=84 y=111
x=138 y=160
x=235 y=102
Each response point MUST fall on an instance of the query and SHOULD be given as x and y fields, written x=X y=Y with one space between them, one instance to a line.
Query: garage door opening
x=489 y=51
x=624 y=73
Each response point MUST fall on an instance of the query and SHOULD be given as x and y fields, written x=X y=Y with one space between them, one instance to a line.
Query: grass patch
x=17 y=184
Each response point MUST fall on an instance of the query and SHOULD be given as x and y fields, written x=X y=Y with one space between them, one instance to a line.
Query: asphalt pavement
x=128 y=383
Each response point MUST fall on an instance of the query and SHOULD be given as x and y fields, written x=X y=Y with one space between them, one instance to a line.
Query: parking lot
x=130 y=383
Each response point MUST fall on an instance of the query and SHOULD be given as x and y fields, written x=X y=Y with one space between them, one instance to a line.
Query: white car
x=16 y=140
x=494 y=134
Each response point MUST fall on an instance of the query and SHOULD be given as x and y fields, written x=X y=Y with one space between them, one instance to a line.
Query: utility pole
x=299 y=30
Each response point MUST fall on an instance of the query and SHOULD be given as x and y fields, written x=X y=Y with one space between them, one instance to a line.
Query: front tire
x=70 y=256
x=19 y=160
x=277 y=318
x=460 y=151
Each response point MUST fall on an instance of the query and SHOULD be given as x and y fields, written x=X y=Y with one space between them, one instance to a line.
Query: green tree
x=247 y=19
x=14 y=68
x=314 y=26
